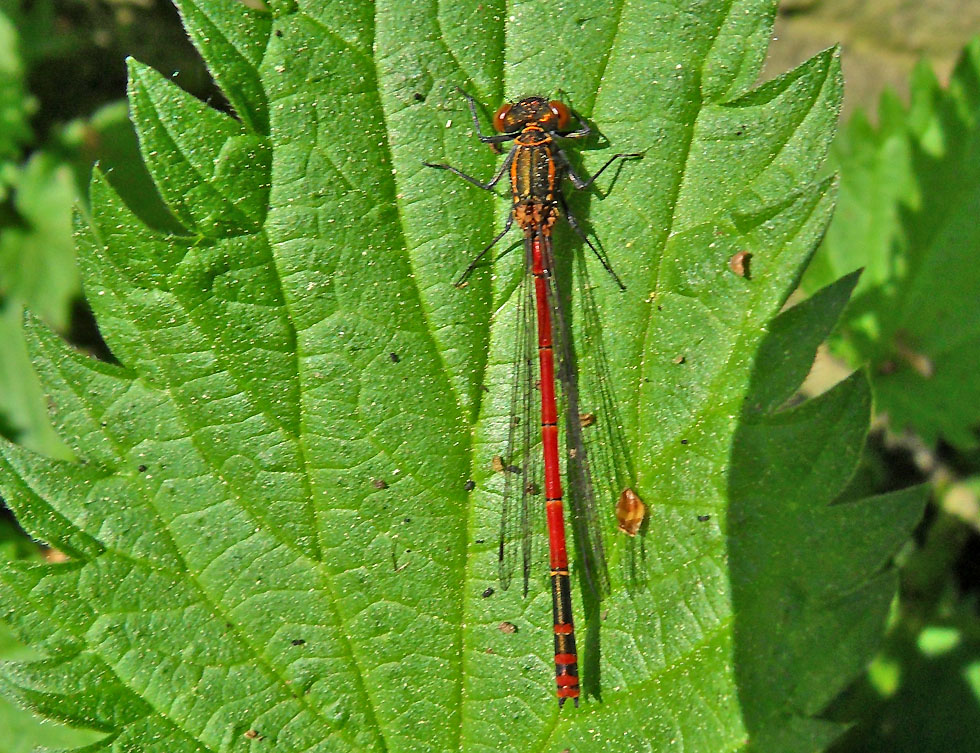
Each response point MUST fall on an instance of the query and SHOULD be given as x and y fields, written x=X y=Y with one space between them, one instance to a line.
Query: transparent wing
x=608 y=450
x=596 y=462
x=523 y=501
x=582 y=493
x=612 y=466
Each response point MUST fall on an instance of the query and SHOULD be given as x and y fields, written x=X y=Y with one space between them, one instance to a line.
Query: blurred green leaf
x=15 y=104
x=238 y=579
x=22 y=404
x=37 y=270
x=923 y=693
x=13 y=545
x=910 y=198
x=23 y=732
x=37 y=254
x=42 y=32
x=108 y=139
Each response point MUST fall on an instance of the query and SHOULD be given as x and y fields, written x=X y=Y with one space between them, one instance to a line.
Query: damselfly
x=537 y=165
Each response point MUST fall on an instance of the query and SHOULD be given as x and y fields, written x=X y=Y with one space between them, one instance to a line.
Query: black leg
x=583 y=129
x=499 y=138
x=485 y=186
x=583 y=184
x=472 y=266
x=600 y=255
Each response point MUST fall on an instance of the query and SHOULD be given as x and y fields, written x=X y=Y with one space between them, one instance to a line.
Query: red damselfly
x=537 y=165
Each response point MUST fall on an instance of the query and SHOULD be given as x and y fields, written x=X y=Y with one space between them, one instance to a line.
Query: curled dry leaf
x=630 y=512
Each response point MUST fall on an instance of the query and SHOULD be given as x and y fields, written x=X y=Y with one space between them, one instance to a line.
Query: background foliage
x=905 y=207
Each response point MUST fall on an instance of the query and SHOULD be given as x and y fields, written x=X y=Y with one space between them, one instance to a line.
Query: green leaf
x=239 y=575
x=910 y=190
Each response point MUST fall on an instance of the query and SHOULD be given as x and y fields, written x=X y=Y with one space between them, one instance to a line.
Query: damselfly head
x=548 y=115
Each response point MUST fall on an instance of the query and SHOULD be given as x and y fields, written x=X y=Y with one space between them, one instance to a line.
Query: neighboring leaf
x=25 y=733
x=910 y=197
x=37 y=269
x=270 y=536
x=233 y=46
x=37 y=256
x=107 y=138
x=22 y=731
x=807 y=622
x=23 y=410
x=15 y=104
x=13 y=545
x=923 y=693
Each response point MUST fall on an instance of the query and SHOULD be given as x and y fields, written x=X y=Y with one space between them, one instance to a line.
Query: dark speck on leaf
x=469 y=485
x=419 y=97
x=704 y=518
x=683 y=441
x=142 y=469
x=298 y=642
x=379 y=483
x=395 y=358
x=488 y=593
x=479 y=541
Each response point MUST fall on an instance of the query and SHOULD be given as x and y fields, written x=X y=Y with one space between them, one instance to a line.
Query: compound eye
x=560 y=111
x=500 y=119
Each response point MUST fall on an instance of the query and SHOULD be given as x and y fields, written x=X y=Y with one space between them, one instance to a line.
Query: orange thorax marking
x=533 y=178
